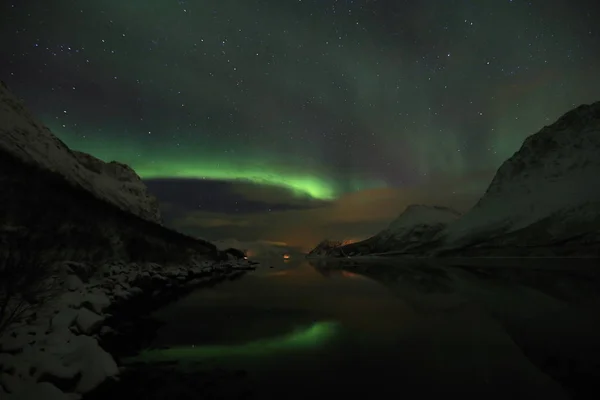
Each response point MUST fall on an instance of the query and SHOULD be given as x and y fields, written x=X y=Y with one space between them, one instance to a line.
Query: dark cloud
x=225 y=196
x=302 y=223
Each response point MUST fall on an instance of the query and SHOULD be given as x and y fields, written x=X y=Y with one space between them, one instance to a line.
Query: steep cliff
x=66 y=205
x=26 y=138
x=544 y=200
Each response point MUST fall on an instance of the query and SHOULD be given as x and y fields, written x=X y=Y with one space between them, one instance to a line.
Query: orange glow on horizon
x=279 y=273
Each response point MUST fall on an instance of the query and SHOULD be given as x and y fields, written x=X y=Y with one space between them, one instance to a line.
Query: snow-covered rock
x=88 y=321
x=94 y=363
x=72 y=282
x=96 y=301
x=55 y=357
x=12 y=383
x=22 y=135
x=41 y=390
x=74 y=357
x=83 y=271
x=546 y=193
x=64 y=319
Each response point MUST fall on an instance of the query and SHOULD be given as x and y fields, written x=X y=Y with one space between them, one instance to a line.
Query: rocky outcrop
x=544 y=200
x=27 y=139
x=233 y=253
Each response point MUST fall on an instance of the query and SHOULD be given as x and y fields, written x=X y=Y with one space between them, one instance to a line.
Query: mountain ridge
x=541 y=201
x=22 y=135
x=45 y=210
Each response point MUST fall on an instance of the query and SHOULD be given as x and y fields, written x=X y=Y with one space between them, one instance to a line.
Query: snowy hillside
x=29 y=140
x=418 y=218
x=546 y=193
x=416 y=225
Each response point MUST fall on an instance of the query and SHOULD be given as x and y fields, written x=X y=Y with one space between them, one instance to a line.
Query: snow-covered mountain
x=416 y=221
x=67 y=205
x=545 y=198
x=23 y=136
x=543 y=201
x=416 y=225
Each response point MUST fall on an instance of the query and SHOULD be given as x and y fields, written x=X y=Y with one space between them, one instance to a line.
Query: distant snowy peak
x=554 y=171
x=23 y=136
x=418 y=215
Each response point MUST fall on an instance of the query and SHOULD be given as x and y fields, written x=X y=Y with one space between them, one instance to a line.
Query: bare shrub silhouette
x=27 y=281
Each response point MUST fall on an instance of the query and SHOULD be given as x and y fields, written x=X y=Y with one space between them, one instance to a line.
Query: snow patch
x=88 y=322
x=42 y=391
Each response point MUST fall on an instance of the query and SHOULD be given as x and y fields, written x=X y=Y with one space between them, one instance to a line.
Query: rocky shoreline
x=74 y=346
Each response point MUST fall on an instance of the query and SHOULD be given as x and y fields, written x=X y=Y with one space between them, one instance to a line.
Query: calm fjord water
x=395 y=328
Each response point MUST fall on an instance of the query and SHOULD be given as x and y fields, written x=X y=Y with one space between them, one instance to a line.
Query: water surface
x=395 y=328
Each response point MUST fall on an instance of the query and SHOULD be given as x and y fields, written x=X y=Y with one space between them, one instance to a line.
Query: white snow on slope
x=417 y=214
x=22 y=135
x=556 y=169
x=416 y=225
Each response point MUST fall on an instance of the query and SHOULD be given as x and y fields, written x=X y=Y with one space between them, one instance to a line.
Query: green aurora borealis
x=313 y=336
x=419 y=101
x=195 y=164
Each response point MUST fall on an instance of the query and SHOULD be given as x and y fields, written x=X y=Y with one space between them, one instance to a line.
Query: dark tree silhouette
x=26 y=280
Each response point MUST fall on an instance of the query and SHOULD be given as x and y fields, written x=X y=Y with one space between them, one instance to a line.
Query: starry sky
x=289 y=121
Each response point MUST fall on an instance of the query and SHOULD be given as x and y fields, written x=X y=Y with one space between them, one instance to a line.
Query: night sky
x=293 y=121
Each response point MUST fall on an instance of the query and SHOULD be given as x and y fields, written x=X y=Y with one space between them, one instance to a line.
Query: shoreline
x=76 y=343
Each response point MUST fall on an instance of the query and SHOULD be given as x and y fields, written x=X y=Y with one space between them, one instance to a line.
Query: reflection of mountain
x=415 y=279
x=543 y=201
x=423 y=285
x=551 y=312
